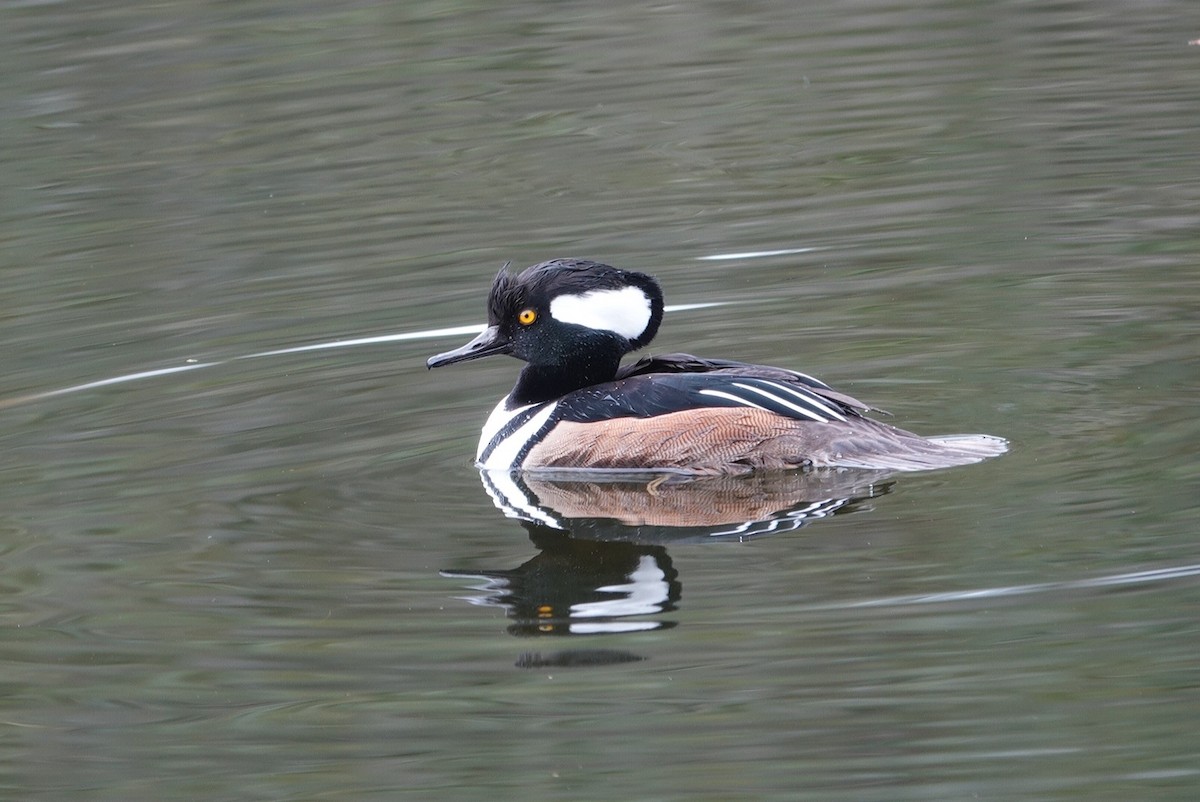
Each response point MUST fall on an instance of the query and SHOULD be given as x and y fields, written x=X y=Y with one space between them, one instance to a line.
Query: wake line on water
x=427 y=334
x=1112 y=580
x=716 y=257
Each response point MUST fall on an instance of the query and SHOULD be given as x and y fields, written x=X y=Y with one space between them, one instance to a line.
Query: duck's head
x=566 y=314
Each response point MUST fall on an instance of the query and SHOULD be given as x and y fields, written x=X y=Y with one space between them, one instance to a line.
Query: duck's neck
x=539 y=383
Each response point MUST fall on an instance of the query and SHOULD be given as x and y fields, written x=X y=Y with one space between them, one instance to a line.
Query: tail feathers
x=927 y=453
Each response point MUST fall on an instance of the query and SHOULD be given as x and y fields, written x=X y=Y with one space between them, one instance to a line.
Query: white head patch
x=625 y=311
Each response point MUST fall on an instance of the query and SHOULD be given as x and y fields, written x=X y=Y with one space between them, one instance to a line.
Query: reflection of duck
x=574 y=406
x=580 y=587
x=673 y=509
x=602 y=567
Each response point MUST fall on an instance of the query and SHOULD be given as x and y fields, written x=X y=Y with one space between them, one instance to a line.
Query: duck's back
x=684 y=413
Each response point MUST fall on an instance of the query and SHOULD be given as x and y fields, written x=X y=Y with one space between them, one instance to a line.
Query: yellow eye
x=526 y=317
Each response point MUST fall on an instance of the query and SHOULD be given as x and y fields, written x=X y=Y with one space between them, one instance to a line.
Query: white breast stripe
x=625 y=311
x=495 y=422
x=737 y=399
x=807 y=399
x=504 y=455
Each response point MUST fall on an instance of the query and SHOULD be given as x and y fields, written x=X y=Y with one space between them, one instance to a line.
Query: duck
x=576 y=407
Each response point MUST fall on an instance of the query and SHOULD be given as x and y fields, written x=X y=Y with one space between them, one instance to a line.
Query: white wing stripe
x=808 y=413
x=737 y=399
x=812 y=411
x=807 y=398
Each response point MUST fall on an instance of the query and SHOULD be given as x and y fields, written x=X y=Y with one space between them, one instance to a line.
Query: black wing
x=686 y=363
x=679 y=382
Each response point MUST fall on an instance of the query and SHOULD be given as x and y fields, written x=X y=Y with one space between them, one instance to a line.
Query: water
x=280 y=578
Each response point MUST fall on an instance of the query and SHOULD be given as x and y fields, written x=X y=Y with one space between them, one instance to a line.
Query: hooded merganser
x=576 y=407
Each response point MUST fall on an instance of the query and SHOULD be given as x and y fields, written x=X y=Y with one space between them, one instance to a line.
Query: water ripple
x=1112 y=580
x=427 y=334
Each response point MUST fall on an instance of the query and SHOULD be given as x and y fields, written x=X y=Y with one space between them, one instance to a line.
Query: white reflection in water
x=1133 y=578
x=427 y=334
x=716 y=257
x=145 y=374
